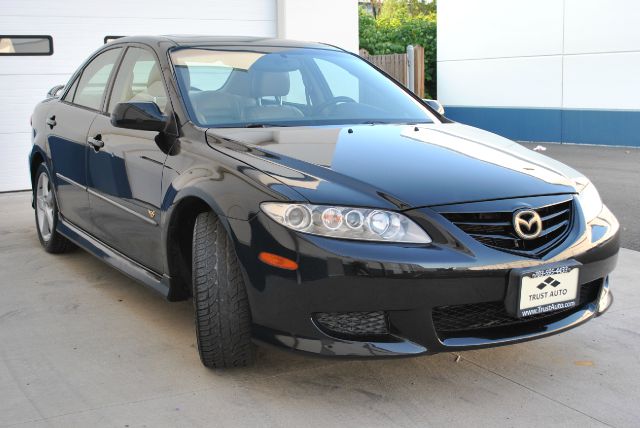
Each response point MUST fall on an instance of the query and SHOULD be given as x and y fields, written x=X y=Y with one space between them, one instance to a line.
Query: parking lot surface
x=82 y=345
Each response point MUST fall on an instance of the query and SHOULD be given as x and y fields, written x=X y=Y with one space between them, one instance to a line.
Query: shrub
x=396 y=28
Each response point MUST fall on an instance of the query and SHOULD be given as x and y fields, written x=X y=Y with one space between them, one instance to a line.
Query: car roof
x=212 y=41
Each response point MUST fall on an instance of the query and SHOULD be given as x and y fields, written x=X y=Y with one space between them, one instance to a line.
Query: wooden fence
x=396 y=66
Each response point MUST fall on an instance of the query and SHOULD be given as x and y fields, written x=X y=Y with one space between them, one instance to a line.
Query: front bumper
x=408 y=283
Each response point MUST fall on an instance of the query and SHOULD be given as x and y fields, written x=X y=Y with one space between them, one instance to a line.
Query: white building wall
x=602 y=54
x=563 y=56
x=329 y=21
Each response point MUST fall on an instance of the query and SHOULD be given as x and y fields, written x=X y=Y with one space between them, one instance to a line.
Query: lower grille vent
x=478 y=316
x=353 y=323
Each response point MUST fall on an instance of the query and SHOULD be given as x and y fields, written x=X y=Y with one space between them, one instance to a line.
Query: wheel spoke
x=49 y=212
x=45 y=185
x=49 y=197
x=41 y=220
x=44 y=207
x=46 y=230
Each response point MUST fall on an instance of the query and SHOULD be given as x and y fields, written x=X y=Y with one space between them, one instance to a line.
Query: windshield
x=288 y=87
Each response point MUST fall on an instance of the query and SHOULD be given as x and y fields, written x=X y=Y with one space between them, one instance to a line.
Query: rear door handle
x=52 y=122
x=96 y=142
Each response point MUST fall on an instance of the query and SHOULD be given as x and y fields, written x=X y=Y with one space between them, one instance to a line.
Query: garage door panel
x=74 y=41
x=15 y=169
x=197 y=9
x=78 y=28
x=20 y=95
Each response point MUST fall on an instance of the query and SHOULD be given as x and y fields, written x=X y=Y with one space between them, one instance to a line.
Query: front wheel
x=46 y=208
x=222 y=315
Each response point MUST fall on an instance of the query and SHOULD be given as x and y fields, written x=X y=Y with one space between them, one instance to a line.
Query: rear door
x=68 y=123
x=124 y=170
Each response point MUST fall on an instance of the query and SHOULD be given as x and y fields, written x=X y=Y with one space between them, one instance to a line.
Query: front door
x=68 y=124
x=124 y=168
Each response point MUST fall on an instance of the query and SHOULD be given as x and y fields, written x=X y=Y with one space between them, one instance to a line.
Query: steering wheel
x=333 y=102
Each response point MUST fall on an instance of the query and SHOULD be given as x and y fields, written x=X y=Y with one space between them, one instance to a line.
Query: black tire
x=222 y=314
x=52 y=242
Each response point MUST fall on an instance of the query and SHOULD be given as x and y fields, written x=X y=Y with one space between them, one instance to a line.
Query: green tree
x=401 y=23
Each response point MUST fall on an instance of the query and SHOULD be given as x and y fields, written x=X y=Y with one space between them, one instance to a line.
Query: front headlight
x=347 y=223
x=590 y=202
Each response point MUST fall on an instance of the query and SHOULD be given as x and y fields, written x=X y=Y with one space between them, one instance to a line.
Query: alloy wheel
x=45 y=206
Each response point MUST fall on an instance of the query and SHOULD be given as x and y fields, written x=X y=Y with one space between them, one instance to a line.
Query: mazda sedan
x=304 y=199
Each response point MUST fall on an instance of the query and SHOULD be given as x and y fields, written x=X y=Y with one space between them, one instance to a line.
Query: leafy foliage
x=401 y=23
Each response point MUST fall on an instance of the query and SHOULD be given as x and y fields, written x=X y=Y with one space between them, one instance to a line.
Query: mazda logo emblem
x=527 y=223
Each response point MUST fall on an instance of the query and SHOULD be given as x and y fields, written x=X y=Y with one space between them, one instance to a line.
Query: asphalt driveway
x=82 y=345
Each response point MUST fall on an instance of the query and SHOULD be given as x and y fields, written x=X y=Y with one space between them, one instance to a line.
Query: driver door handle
x=52 y=122
x=96 y=142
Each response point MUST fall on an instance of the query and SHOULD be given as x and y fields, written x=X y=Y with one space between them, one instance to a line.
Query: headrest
x=154 y=75
x=270 y=84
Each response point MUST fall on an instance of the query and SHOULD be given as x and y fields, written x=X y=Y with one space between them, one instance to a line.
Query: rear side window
x=209 y=78
x=94 y=79
x=26 y=45
x=72 y=91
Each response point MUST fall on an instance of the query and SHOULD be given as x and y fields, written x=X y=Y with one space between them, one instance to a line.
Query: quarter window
x=26 y=45
x=94 y=79
x=297 y=91
x=139 y=79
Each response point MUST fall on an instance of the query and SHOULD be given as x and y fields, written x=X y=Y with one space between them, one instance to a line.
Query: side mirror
x=435 y=104
x=53 y=92
x=144 y=116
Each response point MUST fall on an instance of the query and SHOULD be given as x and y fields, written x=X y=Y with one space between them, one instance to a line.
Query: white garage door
x=78 y=27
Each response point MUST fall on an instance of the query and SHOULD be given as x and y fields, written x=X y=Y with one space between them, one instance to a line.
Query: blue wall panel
x=608 y=127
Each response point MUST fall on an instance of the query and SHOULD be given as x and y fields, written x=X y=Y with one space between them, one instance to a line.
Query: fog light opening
x=277 y=261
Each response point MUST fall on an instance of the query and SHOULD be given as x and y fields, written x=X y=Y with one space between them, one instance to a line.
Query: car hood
x=398 y=166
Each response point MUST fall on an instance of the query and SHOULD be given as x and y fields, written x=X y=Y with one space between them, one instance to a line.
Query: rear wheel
x=47 y=214
x=222 y=315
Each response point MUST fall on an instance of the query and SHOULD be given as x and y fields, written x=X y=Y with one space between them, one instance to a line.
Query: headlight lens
x=347 y=223
x=590 y=202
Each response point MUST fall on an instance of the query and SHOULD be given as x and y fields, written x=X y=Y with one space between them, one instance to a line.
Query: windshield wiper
x=264 y=125
x=374 y=122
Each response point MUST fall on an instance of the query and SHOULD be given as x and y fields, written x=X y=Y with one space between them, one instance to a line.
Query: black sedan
x=304 y=199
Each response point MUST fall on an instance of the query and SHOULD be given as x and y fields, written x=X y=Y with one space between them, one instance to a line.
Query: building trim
x=580 y=126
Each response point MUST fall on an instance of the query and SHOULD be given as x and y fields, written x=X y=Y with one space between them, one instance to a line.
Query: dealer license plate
x=548 y=290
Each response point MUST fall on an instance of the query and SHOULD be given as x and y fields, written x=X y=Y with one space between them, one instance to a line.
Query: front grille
x=477 y=316
x=495 y=229
x=353 y=323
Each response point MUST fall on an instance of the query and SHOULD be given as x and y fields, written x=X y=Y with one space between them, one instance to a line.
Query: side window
x=72 y=91
x=93 y=81
x=297 y=91
x=139 y=79
x=340 y=81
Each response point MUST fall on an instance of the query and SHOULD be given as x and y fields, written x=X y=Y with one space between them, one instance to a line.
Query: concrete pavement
x=82 y=345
